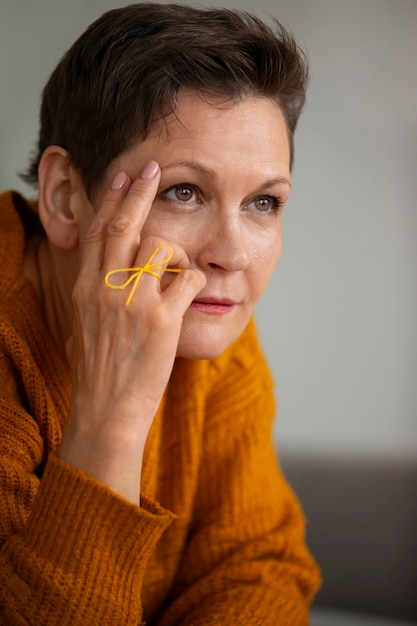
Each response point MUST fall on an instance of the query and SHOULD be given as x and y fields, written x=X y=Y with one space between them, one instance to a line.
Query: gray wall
x=339 y=320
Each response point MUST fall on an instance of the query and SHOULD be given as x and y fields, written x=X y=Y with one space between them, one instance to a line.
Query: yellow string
x=149 y=268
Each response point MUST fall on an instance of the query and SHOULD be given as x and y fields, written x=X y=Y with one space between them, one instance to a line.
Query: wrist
x=112 y=456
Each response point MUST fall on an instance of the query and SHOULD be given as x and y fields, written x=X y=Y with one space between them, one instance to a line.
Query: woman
x=139 y=480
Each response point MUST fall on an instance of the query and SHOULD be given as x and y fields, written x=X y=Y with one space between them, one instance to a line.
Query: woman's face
x=225 y=179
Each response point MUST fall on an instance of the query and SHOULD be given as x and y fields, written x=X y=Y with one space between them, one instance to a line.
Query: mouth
x=213 y=306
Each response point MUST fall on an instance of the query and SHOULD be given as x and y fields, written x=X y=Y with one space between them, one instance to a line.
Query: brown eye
x=184 y=193
x=265 y=204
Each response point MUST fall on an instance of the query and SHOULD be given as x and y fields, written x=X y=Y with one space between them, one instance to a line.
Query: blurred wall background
x=338 y=322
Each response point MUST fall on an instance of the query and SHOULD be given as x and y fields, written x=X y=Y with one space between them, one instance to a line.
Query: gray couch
x=362 y=529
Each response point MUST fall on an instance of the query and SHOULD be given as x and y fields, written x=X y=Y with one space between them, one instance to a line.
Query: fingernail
x=150 y=170
x=118 y=181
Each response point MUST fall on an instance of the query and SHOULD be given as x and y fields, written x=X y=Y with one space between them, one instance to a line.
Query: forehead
x=251 y=124
x=244 y=139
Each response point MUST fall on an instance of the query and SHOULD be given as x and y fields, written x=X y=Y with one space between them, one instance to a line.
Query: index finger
x=120 y=217
x=124 y=230
x=92 y=251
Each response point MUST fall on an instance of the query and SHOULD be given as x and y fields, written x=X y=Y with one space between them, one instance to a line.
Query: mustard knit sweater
x=218 y=538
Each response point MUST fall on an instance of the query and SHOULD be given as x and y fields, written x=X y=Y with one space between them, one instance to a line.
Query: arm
x=71 y=551
x=75 y=538
x=122 y=349
x=246 y=561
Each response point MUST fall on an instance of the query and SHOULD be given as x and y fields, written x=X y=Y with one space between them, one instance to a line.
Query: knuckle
x=192 y=279
x=119 y=226
x=151 y=243
x=96 y=230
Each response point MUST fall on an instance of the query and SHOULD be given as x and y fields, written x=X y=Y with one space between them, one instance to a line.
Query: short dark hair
x=123 y=75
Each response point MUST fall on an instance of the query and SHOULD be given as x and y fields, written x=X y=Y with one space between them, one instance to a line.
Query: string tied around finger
x=156 y=269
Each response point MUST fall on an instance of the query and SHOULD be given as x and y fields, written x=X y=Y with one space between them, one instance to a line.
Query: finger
x=183 y=290
x=95 y=239
x=155 y=261
x=178 y=262
x=124 y=229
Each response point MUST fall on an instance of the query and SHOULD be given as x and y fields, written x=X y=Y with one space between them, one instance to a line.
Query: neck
x=52 y=277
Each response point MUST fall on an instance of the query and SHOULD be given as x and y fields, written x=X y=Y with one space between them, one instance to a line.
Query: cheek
x=174 y=229
x=263 y=263
x=165 y=226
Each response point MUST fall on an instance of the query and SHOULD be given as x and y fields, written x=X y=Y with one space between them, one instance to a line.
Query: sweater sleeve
x=72 y=552
x=246 y=561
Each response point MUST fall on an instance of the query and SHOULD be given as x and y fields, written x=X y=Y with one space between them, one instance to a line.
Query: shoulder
x=17 y=368
x=17 y=219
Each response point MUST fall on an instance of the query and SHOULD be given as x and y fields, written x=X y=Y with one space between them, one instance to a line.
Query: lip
x=213 y=306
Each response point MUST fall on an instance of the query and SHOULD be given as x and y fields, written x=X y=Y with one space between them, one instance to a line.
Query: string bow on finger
x=156 y=269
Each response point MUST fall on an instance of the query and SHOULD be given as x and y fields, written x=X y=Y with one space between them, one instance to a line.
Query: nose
x=224 y=246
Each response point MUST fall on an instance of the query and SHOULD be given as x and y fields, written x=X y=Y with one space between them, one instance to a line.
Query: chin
x=200 y=349
x=206 y=341
x=197 y=353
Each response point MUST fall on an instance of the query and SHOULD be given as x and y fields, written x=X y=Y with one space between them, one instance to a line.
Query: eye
x=265 y=204
x=183 y=193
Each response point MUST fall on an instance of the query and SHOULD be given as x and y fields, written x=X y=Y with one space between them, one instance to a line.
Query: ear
x=56 y=178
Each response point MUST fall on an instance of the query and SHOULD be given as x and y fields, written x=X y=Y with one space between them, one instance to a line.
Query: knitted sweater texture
x=218 y=538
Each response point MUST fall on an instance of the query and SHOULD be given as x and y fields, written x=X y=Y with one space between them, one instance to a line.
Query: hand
x=122 y=356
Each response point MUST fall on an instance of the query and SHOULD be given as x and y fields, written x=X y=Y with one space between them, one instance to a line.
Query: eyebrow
x=210 y=173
